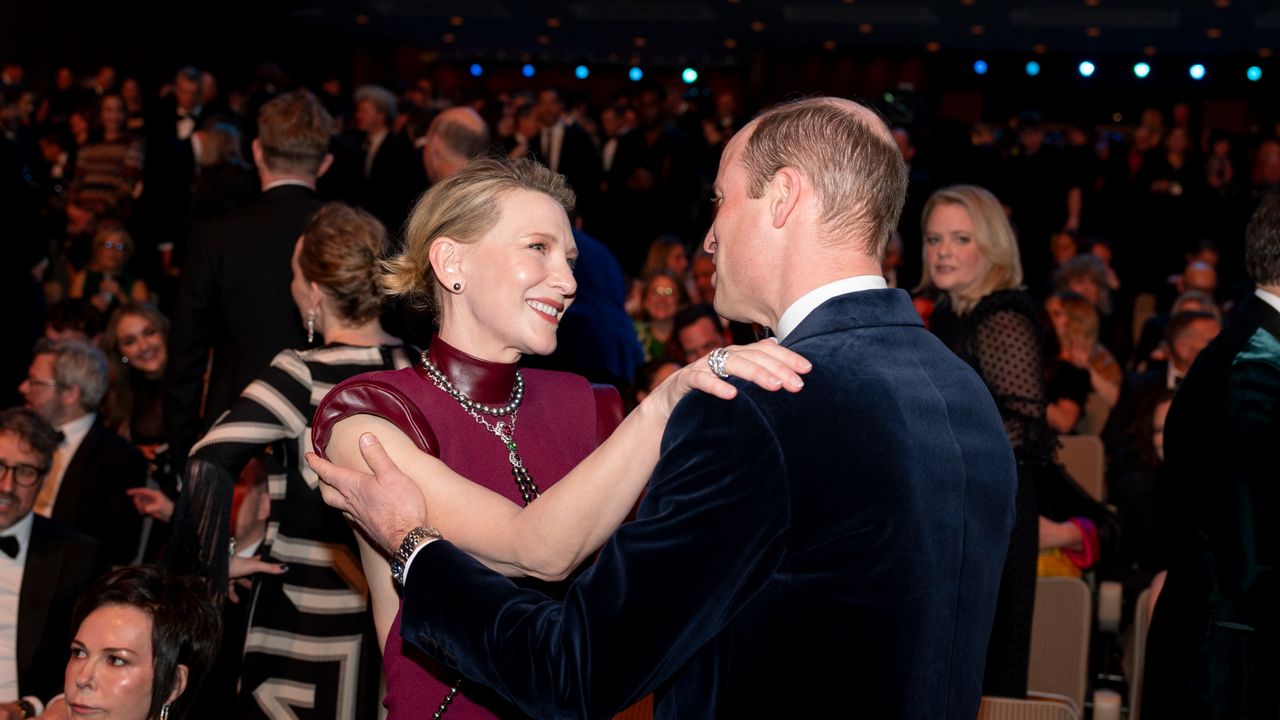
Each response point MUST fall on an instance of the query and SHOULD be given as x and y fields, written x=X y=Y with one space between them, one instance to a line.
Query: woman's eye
x=77 y=652
x=932 y=240
x=116 y=660
x=540 y=247
x=962 y=239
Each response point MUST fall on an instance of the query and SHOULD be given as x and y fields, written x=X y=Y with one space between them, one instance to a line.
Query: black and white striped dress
x=311 y=650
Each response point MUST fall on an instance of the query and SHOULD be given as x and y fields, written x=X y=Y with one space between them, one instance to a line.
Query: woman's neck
x=478 y=379
x=466 y=337
x=366 y=335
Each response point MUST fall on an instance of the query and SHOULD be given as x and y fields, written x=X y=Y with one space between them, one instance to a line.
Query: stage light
x=1086 y=68
x=1033 y=68
x=1254 y=73
x=1141 y=70
x=581 y=72
x=477 y=69
x=636 y=74
x=528 y=70
x=980 y=67
x=689 y=76
x=1196 y=72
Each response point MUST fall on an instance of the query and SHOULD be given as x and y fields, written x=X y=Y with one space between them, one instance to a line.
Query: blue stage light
x=689 y=76
x=1086 y=68
x=528 y=70
x=1254 y=73
x=581 y=72
x=477 y=69
x=980 y=67
x=1196 y=72
x=1033 y=68
x=636 y=74
x=1141 y=70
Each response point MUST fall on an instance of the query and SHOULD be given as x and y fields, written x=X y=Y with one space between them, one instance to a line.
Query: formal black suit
x=1214 y=647
x=92 y=500
x=578 y=161
x=827 y=554
x=394 y=182
x=60 y=565
x=234 y=300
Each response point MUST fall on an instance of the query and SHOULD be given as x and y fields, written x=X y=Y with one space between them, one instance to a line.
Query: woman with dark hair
x=142 y=643
x=108 y=170
x=323 y=600
x=662 y=297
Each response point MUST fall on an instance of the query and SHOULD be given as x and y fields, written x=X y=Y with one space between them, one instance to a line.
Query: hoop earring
x=311 y=328
x=164 y=712
x=124 y=359
x=457 y=287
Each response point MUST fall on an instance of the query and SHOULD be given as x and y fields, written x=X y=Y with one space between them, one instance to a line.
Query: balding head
x=454 y=138
x=848 y=154
x=1199 y=276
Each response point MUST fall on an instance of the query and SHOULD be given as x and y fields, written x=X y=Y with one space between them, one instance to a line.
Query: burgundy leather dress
x=561 y=420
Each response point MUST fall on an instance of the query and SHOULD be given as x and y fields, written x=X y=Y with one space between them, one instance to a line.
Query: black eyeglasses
x=113 y=245
x=24 y=475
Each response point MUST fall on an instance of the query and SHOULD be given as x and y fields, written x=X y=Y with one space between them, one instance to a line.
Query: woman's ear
x=179 y=684
x=446 y=261
x=316 y=293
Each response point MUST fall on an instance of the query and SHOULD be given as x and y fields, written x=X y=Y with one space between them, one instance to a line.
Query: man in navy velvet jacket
x=831 y=553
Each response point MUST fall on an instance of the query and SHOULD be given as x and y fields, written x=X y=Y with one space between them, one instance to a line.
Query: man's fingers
x=765 y=369
x=376 y=455
x=790 y=358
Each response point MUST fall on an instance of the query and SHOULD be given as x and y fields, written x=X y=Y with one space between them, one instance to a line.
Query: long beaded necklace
x=505 y=430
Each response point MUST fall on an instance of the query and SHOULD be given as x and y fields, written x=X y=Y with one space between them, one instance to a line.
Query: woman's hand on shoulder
x=765 y=363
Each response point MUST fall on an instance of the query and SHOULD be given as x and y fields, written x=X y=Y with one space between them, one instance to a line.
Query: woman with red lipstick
x=309 y=630
x=490 y=250
x=142 y=644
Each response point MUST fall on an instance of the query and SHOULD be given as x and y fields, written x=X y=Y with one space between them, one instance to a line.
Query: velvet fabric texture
x=559 y=423
x=1214 y=647
x=832 y=552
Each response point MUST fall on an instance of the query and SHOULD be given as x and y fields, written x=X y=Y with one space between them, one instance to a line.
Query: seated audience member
x=1151 y=342
x=698 y=330
x=93 y=466
x=162 y=625
x=1101 y=249
x=1086 y=276
x=106 y=281
x=703 y=271
x=43 y=569
x=1083 y=366
x=72 y=320
x=1063 y=246
x=649 y=376
x=666 y=253
x=1197 y=275
x=662 y=297
x=1189 y=332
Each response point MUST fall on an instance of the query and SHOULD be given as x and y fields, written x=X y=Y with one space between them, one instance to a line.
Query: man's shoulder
x=47 y=534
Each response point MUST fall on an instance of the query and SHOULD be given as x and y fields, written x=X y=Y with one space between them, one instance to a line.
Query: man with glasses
x=43 y=569
x=93 y=466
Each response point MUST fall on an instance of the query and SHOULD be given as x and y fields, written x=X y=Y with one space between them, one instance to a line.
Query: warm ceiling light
x=932 y=46
x=865 y=28
x=1039 y=48
x=544 y=39
x=967 y=3
x=976 y=29
x=456 y=21
x=849 y=2
x=639 y=42
x=448 y=38
x=828 y=44
x=362 y=19
x=730 y=43
x=553 y=22
x=1093 y=32
x=1213 y=33
x=1091 y=3
x=1264 y=52
x=757 y=26
x=1149 y=51
x=1222 y=3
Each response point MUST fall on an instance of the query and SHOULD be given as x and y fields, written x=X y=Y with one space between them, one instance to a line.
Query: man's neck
x=817 y=272
x=68 y=419
x=268 y=178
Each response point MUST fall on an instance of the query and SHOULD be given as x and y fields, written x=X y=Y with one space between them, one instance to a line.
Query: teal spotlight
x=1141 y=70
x=689 y=76
x=1033 y=68
x=636 y=74
x=1254 y=73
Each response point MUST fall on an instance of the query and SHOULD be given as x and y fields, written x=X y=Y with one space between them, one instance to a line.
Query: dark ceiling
x=724 y=32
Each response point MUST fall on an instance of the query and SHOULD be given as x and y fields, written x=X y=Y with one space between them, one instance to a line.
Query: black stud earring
x=457 y=287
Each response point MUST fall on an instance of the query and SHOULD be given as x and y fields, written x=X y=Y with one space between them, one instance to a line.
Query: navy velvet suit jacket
x=832 y=551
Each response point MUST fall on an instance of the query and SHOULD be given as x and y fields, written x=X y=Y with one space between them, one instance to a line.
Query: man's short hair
x=190 y=73
x=856 y=169
x=692 y=314
x=1181 y=322
x=33 y=431
x=77 y=364
x=465 y=140
x=1262 y=242
x=382 y=99
x=293 y=132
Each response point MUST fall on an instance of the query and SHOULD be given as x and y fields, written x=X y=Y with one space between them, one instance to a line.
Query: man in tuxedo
x=170 y=171
x=566 y=148
x=93 y=467
x=393 y=177
x=1214 y=647
x=794 y=554
x=233 y=299
x=43 y=569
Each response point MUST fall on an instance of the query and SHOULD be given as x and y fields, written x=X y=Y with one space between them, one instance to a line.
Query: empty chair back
x=1060 y=638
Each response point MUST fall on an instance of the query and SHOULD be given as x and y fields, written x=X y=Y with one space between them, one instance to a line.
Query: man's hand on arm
x=385 y=505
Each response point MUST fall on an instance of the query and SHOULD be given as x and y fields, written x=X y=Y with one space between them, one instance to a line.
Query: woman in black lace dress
x=983 y=315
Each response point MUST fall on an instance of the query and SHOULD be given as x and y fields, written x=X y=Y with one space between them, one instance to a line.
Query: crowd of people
x=194 y=268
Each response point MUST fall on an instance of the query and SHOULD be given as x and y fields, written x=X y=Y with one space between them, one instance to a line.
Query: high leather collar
x=483 y=381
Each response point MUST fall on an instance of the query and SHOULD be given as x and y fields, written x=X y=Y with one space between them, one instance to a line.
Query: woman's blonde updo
x=342 y=249
x=463 y=207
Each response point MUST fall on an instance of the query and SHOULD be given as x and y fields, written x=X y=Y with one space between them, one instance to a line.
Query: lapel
x=39 y=581
x=1269 y=319
x=855 y=311
x=66 y=508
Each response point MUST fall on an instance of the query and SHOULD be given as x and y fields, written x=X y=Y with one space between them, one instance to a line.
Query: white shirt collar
x=22 y=531
x=1269 y=298
x=289 y=181
x=810 y=301
x=75 y=430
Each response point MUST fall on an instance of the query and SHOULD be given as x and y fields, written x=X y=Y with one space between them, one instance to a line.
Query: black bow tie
x=9 y=545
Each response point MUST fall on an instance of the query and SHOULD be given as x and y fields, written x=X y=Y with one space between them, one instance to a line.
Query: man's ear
x=257 y=154
x=325 y=164
x=784 y=195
